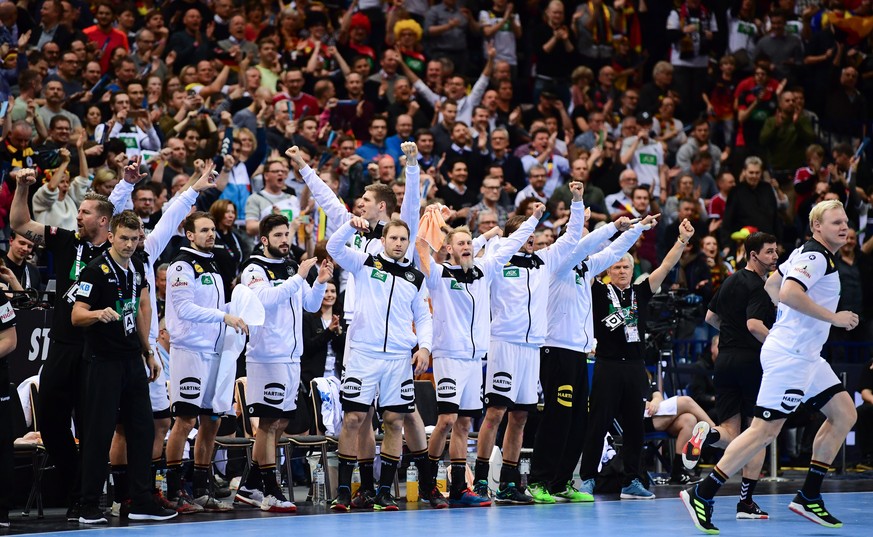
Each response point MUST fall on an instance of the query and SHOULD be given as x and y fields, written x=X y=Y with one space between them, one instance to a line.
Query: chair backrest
x=315 y=397
x=34 y=405
x=426 y=401
x=240 y=390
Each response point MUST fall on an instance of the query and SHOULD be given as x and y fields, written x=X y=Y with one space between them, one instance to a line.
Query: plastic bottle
x=412 y=484
x=320 y=496
x=161 y=483
x=442 y=477
x=356 y=479
x=524 y=470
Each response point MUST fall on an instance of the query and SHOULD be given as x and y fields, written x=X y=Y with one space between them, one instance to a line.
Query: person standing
x=391 y=293
x=518 y=329
x=112 y=305
x=807 y=287
x=60 y=378
x=196 y=318
x=272 y=357
x=8 y=342
x=620 y=384
x=742 y=312
x=563 y=360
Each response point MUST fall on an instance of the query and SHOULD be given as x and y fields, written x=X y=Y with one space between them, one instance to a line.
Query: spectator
x=751 y=203
x=445 y=29
x=55 y=98
x=502 y=26
x=376 y=147
x=669 y=130
x=490 y=206
x=553 y=47
x=785 y=137
x=691 y=30
x=704 y=184
x=784 y=49
x=645 y=157
x=743 y=33
x=846 y=110
x=755 y=101
x=719 y=98
x=716 y=206
x=104 y=36
x=856 y=295
x=542 y=153
x=537 y=177
x=457 y=194
x=16 y=260
x=699 y=141
x=188 y=42
x=661 y=86
x=594 y=25
x=685 y=190
x=138 y=134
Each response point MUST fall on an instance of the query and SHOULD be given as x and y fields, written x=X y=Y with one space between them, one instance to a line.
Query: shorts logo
x=189 y=388
x=274 y=393
x=351 y=387
x=510 y=273
x=791 y=398
x=456 y=286
x=407 y=390
x=565 y=395
x=447 y=389
x=376 y=275
x=502 y=382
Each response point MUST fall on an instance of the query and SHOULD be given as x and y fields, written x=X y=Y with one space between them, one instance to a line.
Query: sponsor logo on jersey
x=189 y=388
x=207 y=280
x=511 y=272
x=502 y=382
x=377 y=275
x=580 y=280
x=84 y=289
x=456 y=286
x=7 y=313
x=179 y=282
x=105 y=268
x=197 y=268
x=255 y=280
x=274 y=393
x=351 y=387
x=407 y=390
x=377 y=264
x=447 y=388
x=802 y=270
x=646 y=158
x=565 y=395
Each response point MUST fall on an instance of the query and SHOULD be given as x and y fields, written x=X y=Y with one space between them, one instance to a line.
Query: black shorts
x=737 y=382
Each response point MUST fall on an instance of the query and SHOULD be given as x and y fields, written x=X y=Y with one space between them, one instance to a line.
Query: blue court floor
x=665 y=516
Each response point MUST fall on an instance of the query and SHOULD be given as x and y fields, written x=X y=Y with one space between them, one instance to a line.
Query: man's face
x=425 y=144
x=378 y=131
x=237 y=27
x=540 y=142
x=450 y=113
x=461 y=250
x=499 y=141
x=191 y=141
x=390 y=61
x=768 y=256
x=88 y=220
x=387 y=171
x=144 y=202
x=309 y=130
x=294 y=82
x=361 y=67
x=126 y=71
x=686 y=186
x=777 y=25
x=620 y=273
x=460 y=134
x=54 y=92
x=487 y=222
x=489 y=100
x=49 y=14
x=455 y=88
x=404 y=126
x=579 y=170
x=502 y=71
x=104 y=16
x=686 y=210
x=833 y=227
x=222 y=8
x=20 y=247
x=368 y=207
x=458 y=174
x=92 y=73
x=205 y=72
x=278 y=241
x=849 y=77
x=537 y=179
x=253 y=78
x=347 y=149
x=701 y=133
x=726 y=183
x=402 y=91
x=490 y=190
x=161 y=283
x=124 y=241
x=753 y=174
x=630 y=99
x=355 y=84
x=69 y=65
x=192 y=20
x=606 y=76
x=480 y=117
x=504 y=91
x=434 y=71
x=396 y=242
x=145 y=41
x=275 y=175
x=61 y=132
x=178 y=152
x=136 y=94
x=399 y=192
x=20 y=137
x=640 y=201
x=203 y=236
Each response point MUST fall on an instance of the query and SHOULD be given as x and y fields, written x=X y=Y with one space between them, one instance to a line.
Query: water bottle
x=524 y=470
x=412 y=484
x=320 y=496
x=442 y=477
x=161 y=483
x=356 y=479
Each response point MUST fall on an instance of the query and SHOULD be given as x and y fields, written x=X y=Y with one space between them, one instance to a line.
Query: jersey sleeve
x=57 y=238
x=806 y=269
x=760 y=307
x=89 y=286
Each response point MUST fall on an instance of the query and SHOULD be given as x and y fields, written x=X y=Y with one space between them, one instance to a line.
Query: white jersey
x=462 y=300
x=195 y=307
x=284 y=295
x=569 y=306
x=520 y=292
x=370 y=243
x=646 y=162
x=392 y=297
x=813 y=267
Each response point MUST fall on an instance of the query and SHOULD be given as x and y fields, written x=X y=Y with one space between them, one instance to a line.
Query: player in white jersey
x=379 y=203
x=808 y=292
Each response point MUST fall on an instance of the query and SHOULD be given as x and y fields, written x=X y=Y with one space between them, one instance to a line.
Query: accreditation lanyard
x=631 y=329
x=126 y=307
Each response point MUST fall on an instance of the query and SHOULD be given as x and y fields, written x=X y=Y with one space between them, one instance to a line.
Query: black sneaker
x=363 y=499
x=4 y=519
x=151 y=511
x=73 y=511
x=384 y=501
x=750 y=511
x=513 y=495
x=92 y=514
x=814 y=510
x=480 y=488
x=436 y=499
x=343 y=501
x=684 y=478
x=699 y=509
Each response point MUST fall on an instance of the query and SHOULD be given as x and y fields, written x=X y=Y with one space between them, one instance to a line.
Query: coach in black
x=112 y=304
x=8 y=341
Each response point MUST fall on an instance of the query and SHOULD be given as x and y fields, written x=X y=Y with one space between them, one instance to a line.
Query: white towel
x=24 y=397
x=331 y=410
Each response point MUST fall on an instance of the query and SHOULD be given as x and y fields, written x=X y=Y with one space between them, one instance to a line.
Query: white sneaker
x=211 y=504
x=252 y=497
x=116 y=509
x=273 y=504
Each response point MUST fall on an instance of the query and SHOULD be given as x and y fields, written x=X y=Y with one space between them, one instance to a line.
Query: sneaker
x=684 y=478
x=636 y=491
x=4 y=519
x=384 y=501
x=587 y=488
x=573 y=495
x=814 y=510
x=162 y=500
x=468 y=498
x=692 y=450
x=151 y=511
x=184 y=504
x=248 y=496
x=699 y=509
x=91 y=515
x=750 y=511
x=363 y=499
x=73 y=511
x=221 y=492
x=343 y=501
x=512 y=495
x=540 y=493
x=435 y=498
x=480 y=488
x=212 y=505
x=274 y=504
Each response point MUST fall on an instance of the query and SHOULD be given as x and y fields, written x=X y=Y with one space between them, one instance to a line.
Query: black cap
x=644 y=118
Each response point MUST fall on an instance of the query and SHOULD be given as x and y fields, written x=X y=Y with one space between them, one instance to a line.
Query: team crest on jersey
x=105 y=269
x=410 y=277
x=358 y=240
x=197 y=268
x=137 y=278
x=376 y=275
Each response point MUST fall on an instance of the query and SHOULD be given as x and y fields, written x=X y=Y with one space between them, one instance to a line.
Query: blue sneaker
x=636 y=491
x=468 y=498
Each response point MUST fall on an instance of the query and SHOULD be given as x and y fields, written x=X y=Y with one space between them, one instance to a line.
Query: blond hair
x=817 y=212
x=454 y=231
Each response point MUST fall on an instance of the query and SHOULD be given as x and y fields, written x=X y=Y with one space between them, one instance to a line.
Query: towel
x=430 y=234
x=244 y=303
x=24 y=396
x=331 y=411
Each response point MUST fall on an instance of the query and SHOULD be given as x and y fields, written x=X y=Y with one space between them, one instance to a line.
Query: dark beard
x=275 y=252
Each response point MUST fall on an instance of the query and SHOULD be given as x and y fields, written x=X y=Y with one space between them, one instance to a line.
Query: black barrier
x=32 y=327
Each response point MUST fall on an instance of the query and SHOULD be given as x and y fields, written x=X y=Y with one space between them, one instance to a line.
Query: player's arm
x=660 y=274
x=88 y=296
x=509 y=246
x=410 y=209
x=423 y=331
x=19 y=213
x=713 y=320
x=793 y=295
x=180 y=285
x=323 y=195
x=346 y=257
x=313 y=296
x=772 y=286
x=565 y=244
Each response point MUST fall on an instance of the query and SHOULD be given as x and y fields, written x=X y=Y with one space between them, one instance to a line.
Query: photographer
x=135 y=129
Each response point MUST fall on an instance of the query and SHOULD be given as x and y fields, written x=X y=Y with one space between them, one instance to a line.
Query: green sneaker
x=573 y=495
x=540 y=493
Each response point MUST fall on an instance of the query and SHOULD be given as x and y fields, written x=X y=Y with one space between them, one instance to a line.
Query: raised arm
x=602 y=260
x=323 y=195
x=313 y=296
x=686 y=231
x=410 y=210
x=19 y=214
x=563 y=247
x=509 y=246
x=348 y=258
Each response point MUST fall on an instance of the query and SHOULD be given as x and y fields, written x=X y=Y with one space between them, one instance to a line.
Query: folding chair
x=235 y=442
x=33 y=450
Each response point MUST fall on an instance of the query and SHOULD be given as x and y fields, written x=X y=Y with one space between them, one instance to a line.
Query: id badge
x=76 y=269
x=632 y=333
x=129 y=320
x=70 y=295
